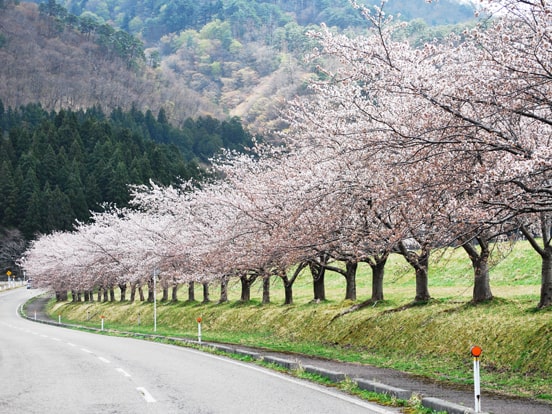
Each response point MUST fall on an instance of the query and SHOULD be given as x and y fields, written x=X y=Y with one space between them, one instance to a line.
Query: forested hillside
x=48 y=61
x=254 y=19
x=57 y=166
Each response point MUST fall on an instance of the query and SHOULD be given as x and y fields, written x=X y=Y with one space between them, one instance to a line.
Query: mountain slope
x=63 y=68
x=222 y=58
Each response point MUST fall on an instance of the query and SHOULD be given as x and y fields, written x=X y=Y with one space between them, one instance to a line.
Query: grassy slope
x=431 y=340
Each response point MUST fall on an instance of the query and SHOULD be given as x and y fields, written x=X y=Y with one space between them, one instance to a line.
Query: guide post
x=199 y=329
x=476 y=353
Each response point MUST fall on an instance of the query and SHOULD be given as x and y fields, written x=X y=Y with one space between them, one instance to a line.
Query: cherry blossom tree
x=464 y=97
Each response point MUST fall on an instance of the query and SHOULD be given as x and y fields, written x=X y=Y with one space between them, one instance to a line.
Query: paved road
x=45 y=369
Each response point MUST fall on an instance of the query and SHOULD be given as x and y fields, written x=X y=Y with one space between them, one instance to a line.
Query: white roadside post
x=476 y=353
x=199 y=329
x=102 y=317
x=155 y=274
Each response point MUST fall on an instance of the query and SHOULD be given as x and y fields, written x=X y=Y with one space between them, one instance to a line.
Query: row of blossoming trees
x=396 y=150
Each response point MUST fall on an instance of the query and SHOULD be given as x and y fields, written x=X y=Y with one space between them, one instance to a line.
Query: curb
x=380 y=388
x=450 y=408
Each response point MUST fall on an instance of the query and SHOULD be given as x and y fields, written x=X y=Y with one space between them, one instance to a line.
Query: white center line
x=104 y=360
x=122 y=371
x=147 y=396
x=86 y=350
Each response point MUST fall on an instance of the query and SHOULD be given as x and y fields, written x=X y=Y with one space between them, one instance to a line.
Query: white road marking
x=107 y=361
x=147 y=396
x=86 y=350
x=56 y=339
x=70 y=344
x=122 y=371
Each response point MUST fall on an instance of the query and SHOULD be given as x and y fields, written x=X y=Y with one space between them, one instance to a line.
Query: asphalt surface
x=50 y=370
x=435 y=395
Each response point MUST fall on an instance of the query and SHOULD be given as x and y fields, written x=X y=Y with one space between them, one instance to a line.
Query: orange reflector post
x=199 y=329
x=476 y=352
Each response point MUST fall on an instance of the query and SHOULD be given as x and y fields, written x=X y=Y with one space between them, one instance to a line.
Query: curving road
x=45 y=369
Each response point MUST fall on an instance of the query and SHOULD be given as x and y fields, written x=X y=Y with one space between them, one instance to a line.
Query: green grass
x=432 y=340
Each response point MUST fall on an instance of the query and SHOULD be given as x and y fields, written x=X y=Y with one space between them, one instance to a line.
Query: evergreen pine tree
x=28 y=189
x=8 y=192
x=118 y=185
x=48 y=210
x=32 y=222
x=75 y=192
x=61 y=211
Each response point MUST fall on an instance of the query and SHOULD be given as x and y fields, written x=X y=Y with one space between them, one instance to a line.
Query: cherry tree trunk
x=246 y=283
x=123 y=289
x=266 y=290
x=141 y=293
x=174 y=295
x=165 y=296
x=99 y=294
x=546 y=275
x=481 y=286
x=150 y=290
x=480 y=263
x=105 y=294
x=86 y=295
x=132 y=292
x=422 y=289
x=206 y=298
x=191 y=292
x=350 y=278
x=288 y=282
x=378 y=271
x=245 y=289
x=420 y=263
x=90 y=295
x=319 y=286
x=223 y=290
x=288 y=293
x=318 y=272
x=111 y=294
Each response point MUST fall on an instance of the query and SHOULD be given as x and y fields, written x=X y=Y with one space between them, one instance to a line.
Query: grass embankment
x=431 y=340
